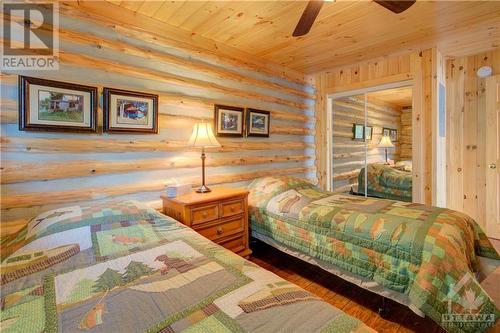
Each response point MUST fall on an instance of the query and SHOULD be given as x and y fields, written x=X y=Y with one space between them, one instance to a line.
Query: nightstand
x=220 y=215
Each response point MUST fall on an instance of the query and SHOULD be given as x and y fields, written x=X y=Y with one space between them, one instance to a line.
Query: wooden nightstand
x=220 y=215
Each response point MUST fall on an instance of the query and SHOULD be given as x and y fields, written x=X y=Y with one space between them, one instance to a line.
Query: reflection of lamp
x=385 y=142
x=203 y=137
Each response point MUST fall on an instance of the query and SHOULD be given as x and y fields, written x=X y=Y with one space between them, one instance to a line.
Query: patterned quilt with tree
x=428 y=253
x=121 y=267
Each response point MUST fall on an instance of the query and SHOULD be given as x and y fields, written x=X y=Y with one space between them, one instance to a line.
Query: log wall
x=349 y=154
x=43 y=171
x=405 y=134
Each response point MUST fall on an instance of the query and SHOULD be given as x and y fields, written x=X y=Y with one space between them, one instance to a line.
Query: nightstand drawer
x=232 y=208
x=236 y=244
x=223 y=229
x=204 y=214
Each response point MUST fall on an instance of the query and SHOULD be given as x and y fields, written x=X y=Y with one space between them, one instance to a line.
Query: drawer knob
x=220 y=231
x=233 y=209
x=204 y=214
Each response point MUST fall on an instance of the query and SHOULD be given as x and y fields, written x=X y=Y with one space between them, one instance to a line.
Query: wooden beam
x=15 y=171
x=66 y=145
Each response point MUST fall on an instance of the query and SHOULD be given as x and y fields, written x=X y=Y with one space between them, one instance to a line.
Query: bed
x=387 y=181
x=120 y=267
x=421 y=256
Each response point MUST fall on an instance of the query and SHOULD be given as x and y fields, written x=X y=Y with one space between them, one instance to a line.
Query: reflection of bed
x=421 y=256
x=385 y=181
x=120 y=267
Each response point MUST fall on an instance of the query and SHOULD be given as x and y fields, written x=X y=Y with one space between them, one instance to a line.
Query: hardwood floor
x=346 y=296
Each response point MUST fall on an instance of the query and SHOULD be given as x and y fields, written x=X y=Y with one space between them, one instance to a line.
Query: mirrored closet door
x=371 y=143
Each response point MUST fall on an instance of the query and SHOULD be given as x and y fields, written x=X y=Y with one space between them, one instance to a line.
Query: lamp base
x=203 y=189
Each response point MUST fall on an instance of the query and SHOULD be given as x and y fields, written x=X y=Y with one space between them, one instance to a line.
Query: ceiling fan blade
x=396 y=6
x=307 y=19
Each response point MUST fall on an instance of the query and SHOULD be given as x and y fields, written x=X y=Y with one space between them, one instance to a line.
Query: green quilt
x=121 y=267
x=428 y=253
x=386 y=182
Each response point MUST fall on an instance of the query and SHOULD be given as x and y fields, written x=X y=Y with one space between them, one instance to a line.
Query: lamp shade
x=385 y=142
x=203 y=136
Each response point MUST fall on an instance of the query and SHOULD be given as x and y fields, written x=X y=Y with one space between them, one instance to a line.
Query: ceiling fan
x=313 y=7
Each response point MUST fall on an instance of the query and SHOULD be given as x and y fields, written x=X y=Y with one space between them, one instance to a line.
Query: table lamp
x=385 y=142
x=203 y=136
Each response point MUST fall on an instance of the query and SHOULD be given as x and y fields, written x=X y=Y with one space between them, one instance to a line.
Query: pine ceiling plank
x=149 y=8
x=264 y=24
x=169 y=10
x=344 y=32
x=399 y=39
x=201 y=16
x=131 y=5
x=230 y=18
x=184 y=10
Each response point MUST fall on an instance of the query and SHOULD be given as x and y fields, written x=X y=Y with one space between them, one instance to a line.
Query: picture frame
x=229 y=121
x=358 y=132
x=128 y=111
x=258 y=123
x=368 y=133
x=394 y=135
x=386 y=131
x=47 y=105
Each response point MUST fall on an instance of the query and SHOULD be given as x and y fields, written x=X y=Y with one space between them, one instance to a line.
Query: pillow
x=404 y=165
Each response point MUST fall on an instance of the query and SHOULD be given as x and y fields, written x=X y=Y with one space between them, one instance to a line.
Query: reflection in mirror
x=389 y=167
x=382 y=141
x=348 y=142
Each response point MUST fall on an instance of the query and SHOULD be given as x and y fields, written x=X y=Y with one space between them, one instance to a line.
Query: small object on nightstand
x=175 y=190
x=220 y=215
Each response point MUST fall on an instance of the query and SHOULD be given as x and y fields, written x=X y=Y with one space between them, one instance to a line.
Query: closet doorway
x=371 y=142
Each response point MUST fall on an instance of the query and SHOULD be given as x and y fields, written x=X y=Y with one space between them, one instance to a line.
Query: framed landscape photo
x=368 y=133
x=46 y=105
x=258 y=123
x=358 y=132
x=130 y=111
x=229 y=121
x=393 y=135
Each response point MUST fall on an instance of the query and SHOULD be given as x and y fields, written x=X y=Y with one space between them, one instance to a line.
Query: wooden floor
x=348 y=297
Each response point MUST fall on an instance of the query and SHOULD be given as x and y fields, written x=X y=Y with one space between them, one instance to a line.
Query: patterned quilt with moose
x=121 y=267
x=429 y=254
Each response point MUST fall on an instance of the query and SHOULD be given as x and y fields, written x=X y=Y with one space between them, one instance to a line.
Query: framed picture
x=386 y=131
x=358 y=132
x=130 y=112
x=46 y=105
x=258 y=123
x=394 y=135
x=228 y=121
x=368 y=133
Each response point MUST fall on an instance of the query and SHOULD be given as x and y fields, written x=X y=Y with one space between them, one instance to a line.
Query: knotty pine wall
x=42 y=171
x=466 y=122
x=349 y=154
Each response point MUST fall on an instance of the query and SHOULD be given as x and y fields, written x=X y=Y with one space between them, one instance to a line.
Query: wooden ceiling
x=345 y=32
x=397 y=97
